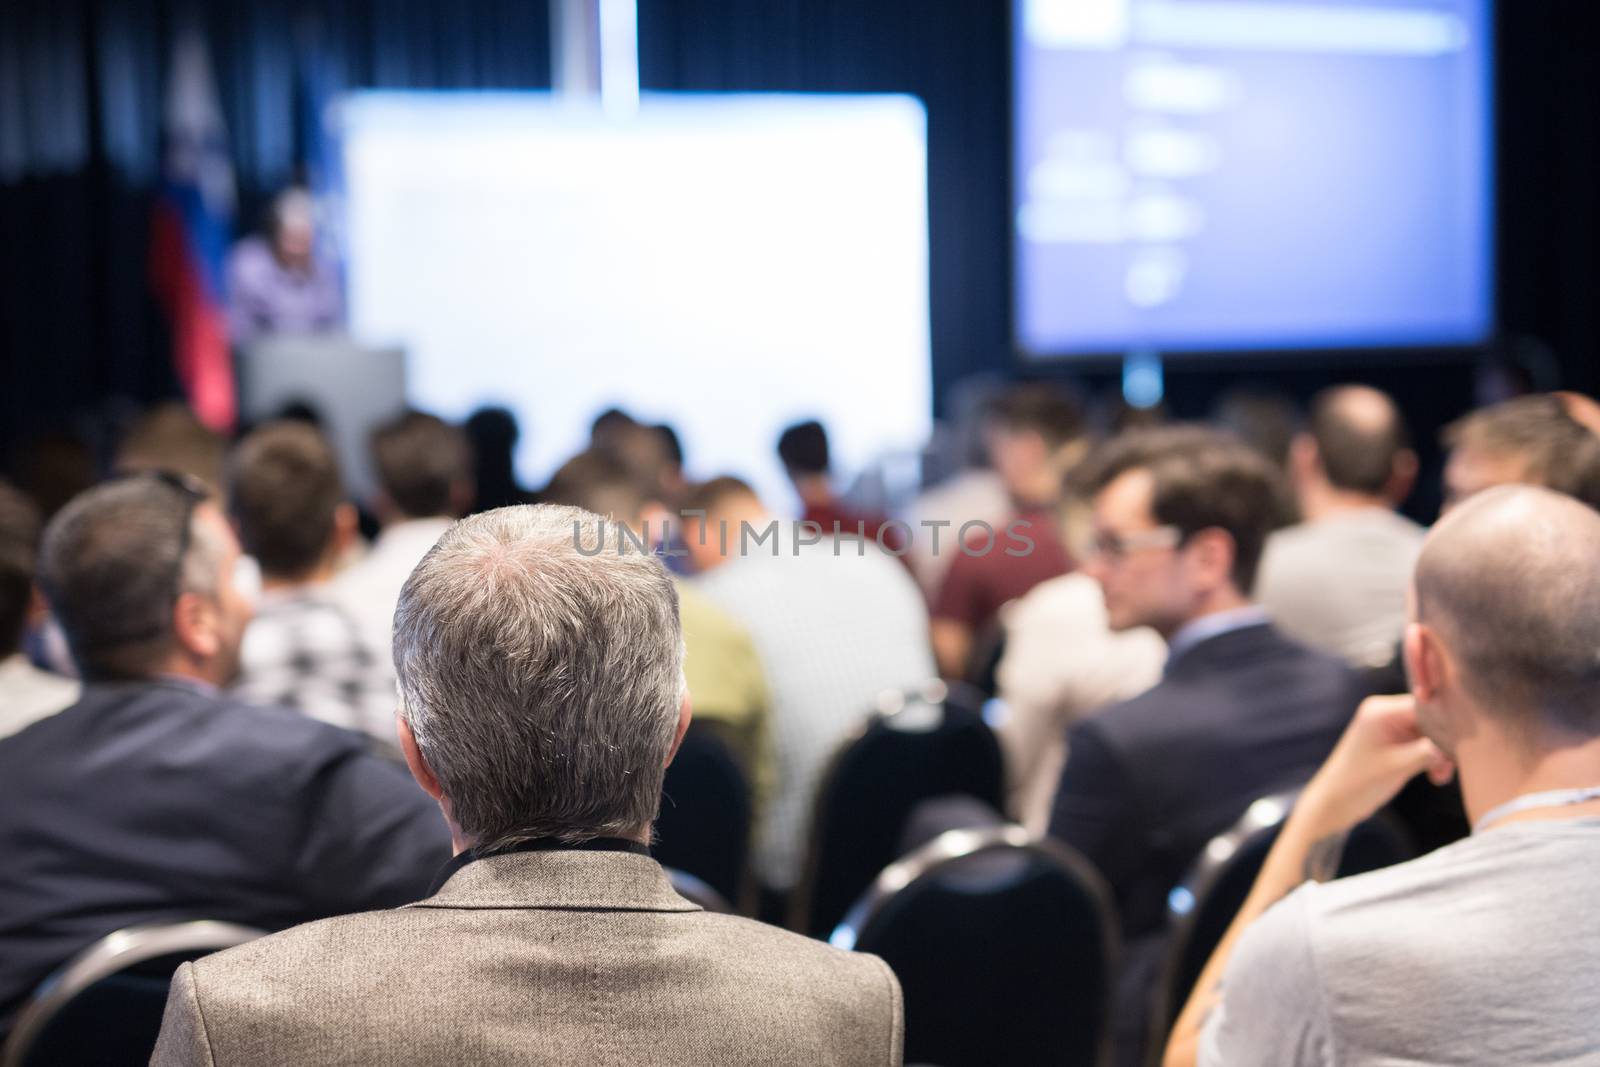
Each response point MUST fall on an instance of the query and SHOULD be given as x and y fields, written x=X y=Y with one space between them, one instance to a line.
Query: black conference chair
x=704 y=826
x=104 y=1006
x=1202 y=908
x=1005 y=947
x=933 y=743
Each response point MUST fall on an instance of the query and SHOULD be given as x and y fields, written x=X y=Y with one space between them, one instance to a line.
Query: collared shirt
x=304 y=651
x=1216 y=624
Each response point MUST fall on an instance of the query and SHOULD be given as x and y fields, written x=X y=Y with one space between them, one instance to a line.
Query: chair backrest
x=704 y=825
x=695 y=891
x=104 y=1006
x=922 y=745
x=1202 y=908
x=1005 y=947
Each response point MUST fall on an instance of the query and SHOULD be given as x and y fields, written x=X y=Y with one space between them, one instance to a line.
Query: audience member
x=543 y=696
x=1265 y=419
x=493 y=434
x=836 y=623
x=51 y=466
x=1180 y=518
x=424 y=469
x=609 y=428
x=27 y=694
x=1480 y=952
x=155 y=797
x=303 y=650
x=962 y=485
x=803 y=450
x=1337 y=580
x=278 y=284
x=169 y=437
x=1062 y=662
x=1529 y=440
x=674 y=482
x=726 y=681
x=1035 y=435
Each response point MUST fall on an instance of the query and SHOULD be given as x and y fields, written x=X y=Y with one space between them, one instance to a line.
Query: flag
x=190 y=232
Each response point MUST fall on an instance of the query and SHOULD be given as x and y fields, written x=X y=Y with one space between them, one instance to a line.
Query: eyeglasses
x=1114 y=546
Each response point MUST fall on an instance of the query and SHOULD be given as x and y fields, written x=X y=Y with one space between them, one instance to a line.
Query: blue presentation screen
x=1211 y=175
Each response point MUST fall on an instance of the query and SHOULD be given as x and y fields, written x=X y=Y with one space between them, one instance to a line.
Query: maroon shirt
x=825 y=515
x=977 y=585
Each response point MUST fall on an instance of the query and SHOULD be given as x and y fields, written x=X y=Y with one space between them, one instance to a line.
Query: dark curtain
x=80 y=104
x=81 y=97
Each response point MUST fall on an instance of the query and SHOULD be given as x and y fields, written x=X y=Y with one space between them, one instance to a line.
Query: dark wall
x=76 y=323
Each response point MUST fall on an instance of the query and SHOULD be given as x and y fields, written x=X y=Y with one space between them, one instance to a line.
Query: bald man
x=1486 y=951
x=1337 y=581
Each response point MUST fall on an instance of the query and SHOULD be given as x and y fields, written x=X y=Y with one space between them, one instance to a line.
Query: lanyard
x=1555 y=798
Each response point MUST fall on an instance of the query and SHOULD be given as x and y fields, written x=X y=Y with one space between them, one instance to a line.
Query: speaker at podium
x=351 y=387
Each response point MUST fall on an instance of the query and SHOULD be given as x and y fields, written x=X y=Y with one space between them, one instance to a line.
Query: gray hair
x=542 y=685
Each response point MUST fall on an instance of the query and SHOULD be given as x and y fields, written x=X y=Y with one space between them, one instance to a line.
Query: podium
x=352 y=387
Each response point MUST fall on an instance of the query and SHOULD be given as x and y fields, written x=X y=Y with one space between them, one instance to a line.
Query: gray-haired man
x=542 y=697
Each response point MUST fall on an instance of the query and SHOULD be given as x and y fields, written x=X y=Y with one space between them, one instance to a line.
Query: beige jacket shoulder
x=536 y=958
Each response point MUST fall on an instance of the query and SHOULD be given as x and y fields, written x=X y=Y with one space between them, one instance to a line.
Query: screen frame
x=1259 y=357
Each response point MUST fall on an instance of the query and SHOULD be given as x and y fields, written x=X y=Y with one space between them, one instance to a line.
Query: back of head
x=1537 y=441
x=424 y=464
x=671 y=443
x=1360 y=437
x=19 y=546
x=1262 y=418
x=610 y=427
x=1509 y=581
x=719 y=495
x=599 y=482
x=1200 y=479
x=284 y=493
x=1040 y=408
x=170 y=438
x=803 y=448
x=542 y=685
x=493 y=432
x=112 y=566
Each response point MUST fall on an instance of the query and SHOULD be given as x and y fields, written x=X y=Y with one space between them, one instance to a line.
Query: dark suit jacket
x=536 y=958
x=159 y=800
x=1149 y=781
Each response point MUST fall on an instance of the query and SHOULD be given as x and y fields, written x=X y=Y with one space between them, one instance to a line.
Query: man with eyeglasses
x=1241 y=712
x=155 y=797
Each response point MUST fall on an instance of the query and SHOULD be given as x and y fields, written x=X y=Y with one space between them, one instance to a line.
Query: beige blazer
x=536 y=958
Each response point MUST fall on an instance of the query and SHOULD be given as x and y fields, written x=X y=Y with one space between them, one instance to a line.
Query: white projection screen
x=727 y=263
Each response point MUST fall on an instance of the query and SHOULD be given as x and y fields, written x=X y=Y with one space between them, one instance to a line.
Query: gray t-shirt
x=1485 y=952
x=1339 y=584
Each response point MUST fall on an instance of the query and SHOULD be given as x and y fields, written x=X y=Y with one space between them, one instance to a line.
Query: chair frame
x=1265 y=813
x=112 y=954
x=953 y=845
x=890 y=704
